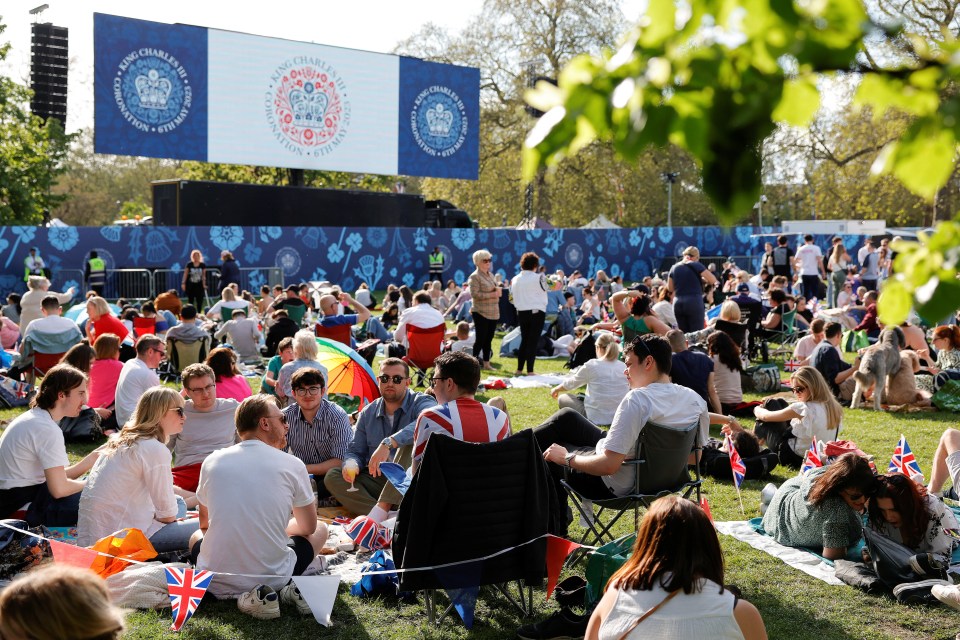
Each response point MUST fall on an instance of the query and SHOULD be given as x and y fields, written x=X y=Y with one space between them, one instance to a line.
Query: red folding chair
x=340 y=333
x=43 y=362
x=424 y=347
x=143 y=326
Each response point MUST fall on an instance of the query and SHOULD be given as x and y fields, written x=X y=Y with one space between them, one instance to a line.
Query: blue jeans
x=375 y=330
x=175 y=536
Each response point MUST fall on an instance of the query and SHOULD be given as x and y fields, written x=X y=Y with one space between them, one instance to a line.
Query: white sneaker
x=290 y=594
x=947 y=594
x=766 y=496
x=261 y=602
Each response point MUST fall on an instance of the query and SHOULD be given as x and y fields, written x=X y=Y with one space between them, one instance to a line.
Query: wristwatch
x=569 y=458
x=387 y=442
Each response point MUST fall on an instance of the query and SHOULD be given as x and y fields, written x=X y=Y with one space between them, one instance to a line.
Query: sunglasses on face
x=282 y=418
x=799 y=388
x=395 y=379
x=179 y=411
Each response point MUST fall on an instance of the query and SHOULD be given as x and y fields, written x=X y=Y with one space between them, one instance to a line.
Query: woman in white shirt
x=671 y=587
x=606 y=380
x=529 y=289
x=816 y=415
x=131 y=485
x=664 y=307
x=837 y=265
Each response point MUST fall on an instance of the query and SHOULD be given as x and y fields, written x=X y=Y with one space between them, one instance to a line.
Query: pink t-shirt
x=102 y=390
x=235 y=387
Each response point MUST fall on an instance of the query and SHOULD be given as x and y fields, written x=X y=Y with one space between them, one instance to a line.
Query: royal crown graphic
x=153 y=90
x=308 y=106
x=439 y=120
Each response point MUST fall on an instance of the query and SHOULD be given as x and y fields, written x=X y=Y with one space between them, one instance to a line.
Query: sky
x=371 y=25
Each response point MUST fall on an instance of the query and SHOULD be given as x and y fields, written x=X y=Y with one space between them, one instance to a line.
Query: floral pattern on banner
x=373 y=255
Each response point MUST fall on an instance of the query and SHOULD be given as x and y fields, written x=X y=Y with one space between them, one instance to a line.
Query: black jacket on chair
x=470 y=500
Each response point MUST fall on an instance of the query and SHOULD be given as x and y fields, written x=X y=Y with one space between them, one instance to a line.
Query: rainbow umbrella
x=348 y=373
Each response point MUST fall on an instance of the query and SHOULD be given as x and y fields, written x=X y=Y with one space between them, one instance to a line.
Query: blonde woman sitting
x=131 y=485
x=606 y=381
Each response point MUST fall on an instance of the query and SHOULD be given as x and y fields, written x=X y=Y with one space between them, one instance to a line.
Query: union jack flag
x=791 y=365
x=464 y=419
x=811 y=460
x=186 y=588
x=903 y=460
x=367 y=533
x=736 y=464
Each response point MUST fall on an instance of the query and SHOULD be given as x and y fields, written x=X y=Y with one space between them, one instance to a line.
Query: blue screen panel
x=150 y=88
x=439 y=120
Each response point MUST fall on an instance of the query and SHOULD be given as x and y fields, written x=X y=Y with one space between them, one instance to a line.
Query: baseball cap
x=743 y=288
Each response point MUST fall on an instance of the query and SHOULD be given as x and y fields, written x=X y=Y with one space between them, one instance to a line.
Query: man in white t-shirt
x=208 y=426
x=34 y=468
x=595 y=457
x=809 y=261
x=421 y=315
x=138 y=375
x=247 y=493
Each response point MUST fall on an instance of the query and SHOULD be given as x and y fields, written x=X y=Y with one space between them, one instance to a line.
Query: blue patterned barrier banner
x=176 y=91
x=375 y=255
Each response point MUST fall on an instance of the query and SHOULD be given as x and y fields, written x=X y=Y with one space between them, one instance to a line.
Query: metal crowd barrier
x=144 y=284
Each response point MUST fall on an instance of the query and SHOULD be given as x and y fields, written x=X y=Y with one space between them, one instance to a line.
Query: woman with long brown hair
x=903 y=511
x=821 y=510
x=672 y=584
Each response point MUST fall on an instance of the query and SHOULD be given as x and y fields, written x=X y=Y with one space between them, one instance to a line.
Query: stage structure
x=193 y=93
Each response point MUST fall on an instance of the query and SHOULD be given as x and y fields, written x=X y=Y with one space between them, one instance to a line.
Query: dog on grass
x=879 y=362
x=902 y=387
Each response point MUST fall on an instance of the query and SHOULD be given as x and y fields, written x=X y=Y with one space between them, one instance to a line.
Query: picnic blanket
x=800 y=559
x=544 y=381
x=751 y=532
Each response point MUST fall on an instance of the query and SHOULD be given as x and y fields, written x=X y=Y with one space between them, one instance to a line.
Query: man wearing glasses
x=456 y=376
x=209 y=425
x=595 y=457
x=138 y=375
x=247 y=493
x=384 y=426
x=320 y=432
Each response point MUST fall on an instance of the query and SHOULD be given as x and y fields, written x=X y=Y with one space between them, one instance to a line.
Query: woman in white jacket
x=606 y=381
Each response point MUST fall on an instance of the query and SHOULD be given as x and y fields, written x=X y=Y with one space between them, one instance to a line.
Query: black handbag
x=85 y=427
x=896 y=564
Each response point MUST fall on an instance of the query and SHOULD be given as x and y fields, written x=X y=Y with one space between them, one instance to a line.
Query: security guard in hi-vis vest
x=436 y=264
x=95 y=273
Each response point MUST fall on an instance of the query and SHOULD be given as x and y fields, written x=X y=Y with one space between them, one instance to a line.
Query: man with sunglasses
x=595 y=457
x=138 y=375
x=384 y=427
x=320 y=432
x=209 y=425
x=247 y=494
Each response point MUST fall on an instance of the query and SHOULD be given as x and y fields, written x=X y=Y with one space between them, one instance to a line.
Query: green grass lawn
x=793 y=605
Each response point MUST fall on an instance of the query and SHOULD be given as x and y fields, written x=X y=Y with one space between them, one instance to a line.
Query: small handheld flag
x=186 y=588
x=811 y=460
x=791 y=365
x=737 y=467
x=903 y=460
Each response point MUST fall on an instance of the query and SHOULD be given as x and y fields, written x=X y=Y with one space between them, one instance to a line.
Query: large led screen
x=192 y=93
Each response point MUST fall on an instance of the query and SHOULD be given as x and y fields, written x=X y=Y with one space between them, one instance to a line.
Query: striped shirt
x=465 y=419
x=328 y=436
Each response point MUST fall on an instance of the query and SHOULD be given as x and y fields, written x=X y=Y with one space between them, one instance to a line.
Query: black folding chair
x=661 y=467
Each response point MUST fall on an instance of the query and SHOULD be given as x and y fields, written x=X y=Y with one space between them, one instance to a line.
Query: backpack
x=761 y=378
x=716 y=463
x=85 y=427
x=14 y=393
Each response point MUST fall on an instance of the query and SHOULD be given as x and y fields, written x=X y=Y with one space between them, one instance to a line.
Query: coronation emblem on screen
x=307 y=107
x=439 y=121
x=152 y=90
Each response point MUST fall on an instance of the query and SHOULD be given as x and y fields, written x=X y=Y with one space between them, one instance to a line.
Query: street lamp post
x=669 y=178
